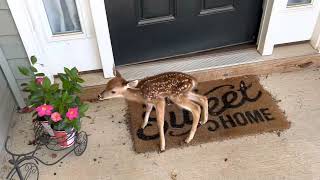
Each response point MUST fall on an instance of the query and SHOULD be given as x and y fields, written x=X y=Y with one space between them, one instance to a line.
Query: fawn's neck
x=134 y=95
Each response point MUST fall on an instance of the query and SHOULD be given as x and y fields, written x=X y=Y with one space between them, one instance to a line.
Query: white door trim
x=279 y=24
x=101 y=26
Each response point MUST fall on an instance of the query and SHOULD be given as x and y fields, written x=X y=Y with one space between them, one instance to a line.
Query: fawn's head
x=116 y=87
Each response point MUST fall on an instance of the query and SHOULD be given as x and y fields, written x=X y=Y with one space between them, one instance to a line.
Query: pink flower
x=44 y=110
x=56 y=117
x=72 y=113
x=39 y=80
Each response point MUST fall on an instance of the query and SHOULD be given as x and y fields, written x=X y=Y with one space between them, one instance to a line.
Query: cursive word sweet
x=231 y=99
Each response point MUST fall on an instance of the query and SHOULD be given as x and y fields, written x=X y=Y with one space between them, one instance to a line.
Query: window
x=298 y=2
x=63 y=16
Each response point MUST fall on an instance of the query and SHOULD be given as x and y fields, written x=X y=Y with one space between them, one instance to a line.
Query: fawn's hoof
x=188 y=140
x=143 y=126
x=203 y=122
x=162 y=149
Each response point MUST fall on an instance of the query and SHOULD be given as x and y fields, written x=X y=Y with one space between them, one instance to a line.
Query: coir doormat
x=237 y=107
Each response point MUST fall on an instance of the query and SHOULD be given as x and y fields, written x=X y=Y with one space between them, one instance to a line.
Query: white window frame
x=85 y=31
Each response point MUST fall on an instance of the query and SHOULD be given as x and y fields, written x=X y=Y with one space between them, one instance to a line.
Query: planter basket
x=58 y=139
x=65 y=139
x=47 y=127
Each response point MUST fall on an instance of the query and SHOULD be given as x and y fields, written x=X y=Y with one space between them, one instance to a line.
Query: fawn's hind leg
x=160 y=108
x=149 y=107
x=203 y=102
x=186 y=103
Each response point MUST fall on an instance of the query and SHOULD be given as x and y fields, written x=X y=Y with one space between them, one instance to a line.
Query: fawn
x=153 y=91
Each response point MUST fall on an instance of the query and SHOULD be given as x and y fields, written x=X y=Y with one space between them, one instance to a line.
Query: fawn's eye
x=113 y=92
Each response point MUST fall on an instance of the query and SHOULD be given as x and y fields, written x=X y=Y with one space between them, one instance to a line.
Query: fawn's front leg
x=160 y=108
x=149 y=107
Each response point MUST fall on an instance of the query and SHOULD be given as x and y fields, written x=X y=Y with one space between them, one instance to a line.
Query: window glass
x=62 y=16
x=298 y=2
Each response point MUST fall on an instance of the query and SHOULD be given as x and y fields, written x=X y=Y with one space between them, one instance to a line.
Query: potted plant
x=57 y=107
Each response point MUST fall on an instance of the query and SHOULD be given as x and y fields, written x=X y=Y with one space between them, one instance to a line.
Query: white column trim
x=315 y=39
x=100 y=22
x=265 y=43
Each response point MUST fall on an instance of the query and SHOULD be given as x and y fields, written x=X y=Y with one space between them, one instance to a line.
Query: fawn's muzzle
x=100 y=97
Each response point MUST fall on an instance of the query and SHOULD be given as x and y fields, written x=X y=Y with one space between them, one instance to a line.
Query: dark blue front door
x=143 y=30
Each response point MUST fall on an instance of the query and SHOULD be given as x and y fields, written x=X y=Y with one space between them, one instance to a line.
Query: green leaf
x=60 y=125
x=33 y=60
x=39 y=74
x=83 y=108
x=33 y=86
x=74 y=72
x=69 y=99
x=34 y=114
x=67 y=71
x=26 y=89
x=77 y=100
x=77 y=88
x=24 y=71
x=46 y=83
x=77 y=127
x=63 y=77
x=33 y=69
x=24 y=84
x=80 y=80
x=75 y=124
x=35 y=99
x=54 y=87
x=65 y=96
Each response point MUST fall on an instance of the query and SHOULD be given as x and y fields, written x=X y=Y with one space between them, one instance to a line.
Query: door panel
x=149 y=29
x=216 y=6
x=211 y=4
x=151 y=8
x=150 y=11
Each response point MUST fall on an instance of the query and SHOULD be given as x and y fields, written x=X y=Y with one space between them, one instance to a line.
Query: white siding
x=7 y=105
x=14 y=53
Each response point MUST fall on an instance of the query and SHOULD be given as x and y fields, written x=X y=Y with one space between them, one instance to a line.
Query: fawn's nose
x=99 y=96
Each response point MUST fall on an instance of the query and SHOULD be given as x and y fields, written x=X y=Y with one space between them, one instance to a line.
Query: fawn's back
x=166 y=84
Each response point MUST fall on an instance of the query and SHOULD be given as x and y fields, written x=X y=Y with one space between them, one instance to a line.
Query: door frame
x=31 y=42
x=276 y=11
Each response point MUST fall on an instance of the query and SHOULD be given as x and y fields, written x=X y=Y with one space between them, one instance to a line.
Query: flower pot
x=65 y=139
x=47 y=127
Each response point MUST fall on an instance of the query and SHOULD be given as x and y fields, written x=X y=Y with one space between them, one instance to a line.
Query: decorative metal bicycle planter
x=25 y=166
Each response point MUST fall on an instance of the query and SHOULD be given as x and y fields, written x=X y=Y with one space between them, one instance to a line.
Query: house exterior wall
x=14 y=53
x=7 y=106
x=10 y=42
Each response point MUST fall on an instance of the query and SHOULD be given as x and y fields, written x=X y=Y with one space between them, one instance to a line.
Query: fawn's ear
x=116 y=72
x=132 y=84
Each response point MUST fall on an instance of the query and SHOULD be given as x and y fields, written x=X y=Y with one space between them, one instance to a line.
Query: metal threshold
x=207 y=61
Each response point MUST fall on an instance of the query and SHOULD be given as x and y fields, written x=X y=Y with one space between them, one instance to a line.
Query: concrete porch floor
x=295 y=154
